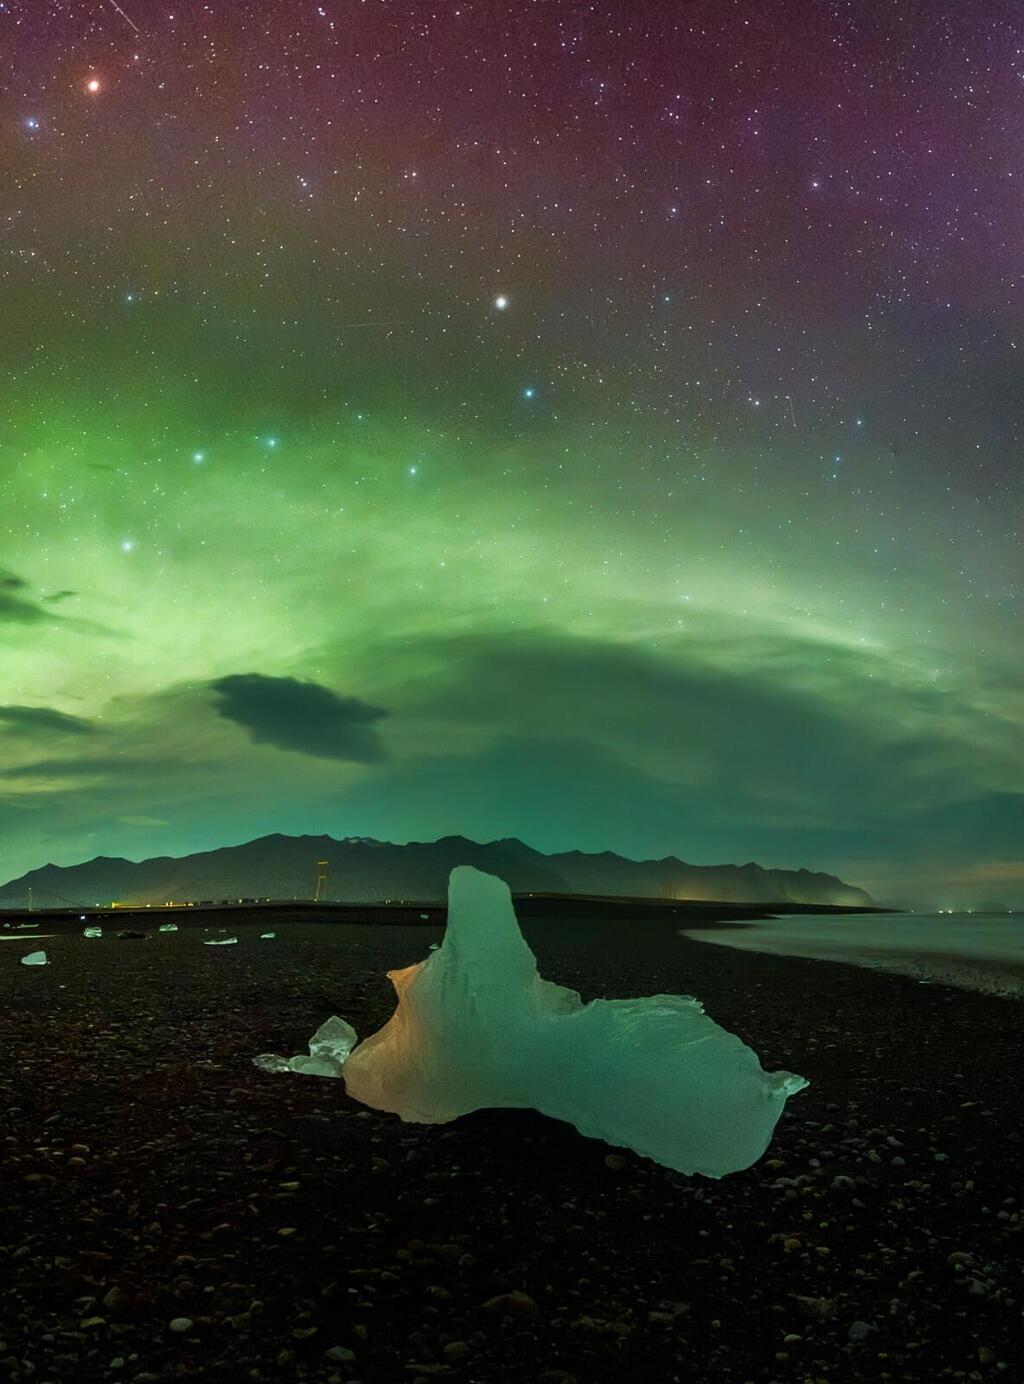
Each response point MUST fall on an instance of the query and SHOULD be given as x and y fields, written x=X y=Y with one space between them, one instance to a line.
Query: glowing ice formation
x=477 y=1027
x=221 y=942
x=35 y=959
x=168 y=927
x=92 y=932
x=329 y=1046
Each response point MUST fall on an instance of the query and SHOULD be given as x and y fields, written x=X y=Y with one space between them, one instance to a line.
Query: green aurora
x=682 y=548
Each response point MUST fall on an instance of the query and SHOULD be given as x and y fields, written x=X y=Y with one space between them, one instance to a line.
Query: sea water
x=978 y=951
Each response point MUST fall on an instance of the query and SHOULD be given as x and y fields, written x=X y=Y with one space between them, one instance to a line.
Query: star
x=199 y=458
x=93 y=85
x=529 y=392
x=501 y=302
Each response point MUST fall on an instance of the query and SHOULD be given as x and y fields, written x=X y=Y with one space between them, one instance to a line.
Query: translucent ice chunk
x=92 y=932
x=476 y=1026
x=267 y=936
x=271 y=1062
x=333 y=1041
x=168 y=927
x=221 y=942
x=35 y=959
x=329 y=1046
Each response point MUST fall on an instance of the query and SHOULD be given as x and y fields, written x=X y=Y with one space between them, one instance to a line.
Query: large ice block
x=476 y=1026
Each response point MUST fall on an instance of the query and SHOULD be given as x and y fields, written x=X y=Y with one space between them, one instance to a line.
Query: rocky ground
x=168 y=1212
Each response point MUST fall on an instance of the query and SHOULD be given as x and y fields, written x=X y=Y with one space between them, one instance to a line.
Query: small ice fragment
x=329 y=1046
x=434 y=946
x=313 y=1066
x=35 y=959
x=333 y=1041
x=168 y=927
x=425 y=915
x=221 y=942
x=271 y=1062
x=476 y=1026
x=267 y=936
x=92 y=932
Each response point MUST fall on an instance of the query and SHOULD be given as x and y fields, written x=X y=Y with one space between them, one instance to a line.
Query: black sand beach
x=151 y=1175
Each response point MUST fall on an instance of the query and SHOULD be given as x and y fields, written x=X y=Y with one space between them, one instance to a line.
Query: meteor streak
x=127 y=20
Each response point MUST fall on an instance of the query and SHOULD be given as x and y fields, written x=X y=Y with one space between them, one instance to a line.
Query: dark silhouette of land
x=360 y=870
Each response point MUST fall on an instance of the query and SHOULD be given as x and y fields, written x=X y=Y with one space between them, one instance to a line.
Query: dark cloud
x=822 y=739
x=729 y=735
x=45 y=719
x=17 y=608
x=571 y=742
x=301 y=716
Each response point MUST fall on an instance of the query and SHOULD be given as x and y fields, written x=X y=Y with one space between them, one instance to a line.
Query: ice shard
x=168 y=927
x=221 y=942
x=329 y=1047
x=35 y=959
x=477 y=1026
x=92 y=932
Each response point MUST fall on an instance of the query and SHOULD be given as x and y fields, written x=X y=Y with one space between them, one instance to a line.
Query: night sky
x=595 y=423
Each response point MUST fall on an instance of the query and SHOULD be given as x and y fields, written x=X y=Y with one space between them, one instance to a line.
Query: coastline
x=992 y=962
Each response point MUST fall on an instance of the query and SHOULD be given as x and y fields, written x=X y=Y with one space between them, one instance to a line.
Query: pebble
x=859 y=1331
x=455 y=1351
x=515 y=1304
x=340 y=1355
x=818 y=1308
x=179 y=1325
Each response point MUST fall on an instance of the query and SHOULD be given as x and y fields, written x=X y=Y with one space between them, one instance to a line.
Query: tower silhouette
x=321 y=880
